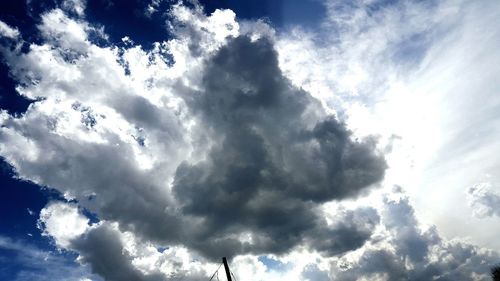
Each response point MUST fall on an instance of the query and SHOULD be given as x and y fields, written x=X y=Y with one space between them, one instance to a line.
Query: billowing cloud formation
x=102 y=247
x=215 y=151
x=63 y=222
x=406 y=250
x=484 y=201
x=273 y=161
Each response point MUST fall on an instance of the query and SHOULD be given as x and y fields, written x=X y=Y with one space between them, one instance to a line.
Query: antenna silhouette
x=226 y=267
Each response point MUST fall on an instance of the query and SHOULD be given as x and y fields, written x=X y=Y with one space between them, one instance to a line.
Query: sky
x=303 y=140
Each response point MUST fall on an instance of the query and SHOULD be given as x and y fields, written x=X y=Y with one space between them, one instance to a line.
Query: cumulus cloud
x=273 y=161
x=63 y=222
x=216 y=151
x=349 y=230
x=102 y=248
x=404 y=249
x=483 y=200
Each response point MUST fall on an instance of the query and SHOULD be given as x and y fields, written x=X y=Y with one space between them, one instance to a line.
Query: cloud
x=216 y=152
x=407 y=250
x=8 y=31
x=484 y=201
x=349 y=231
x=102 y=248
x=404 y=68
x=273 y=162
x=76 y=6
x=361 y=48
x=63 y=222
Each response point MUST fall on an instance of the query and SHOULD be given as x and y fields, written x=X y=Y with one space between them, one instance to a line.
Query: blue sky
x=305 y=140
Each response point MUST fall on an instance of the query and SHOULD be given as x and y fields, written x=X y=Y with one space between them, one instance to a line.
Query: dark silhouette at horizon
x=495 y=273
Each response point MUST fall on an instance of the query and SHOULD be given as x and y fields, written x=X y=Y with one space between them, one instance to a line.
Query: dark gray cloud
x=103 y=249
x=413 y=253
x=409 y=240
x=350 y=231
x=276 y=157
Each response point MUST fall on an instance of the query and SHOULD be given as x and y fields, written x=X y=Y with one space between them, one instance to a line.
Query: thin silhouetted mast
x=226 y=267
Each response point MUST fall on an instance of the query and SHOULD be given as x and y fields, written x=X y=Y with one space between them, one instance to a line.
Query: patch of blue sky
x=21 y=260
x=282 y=14
x=10 y=100
x=16 y=197
x=129 y=19
x=273 y=264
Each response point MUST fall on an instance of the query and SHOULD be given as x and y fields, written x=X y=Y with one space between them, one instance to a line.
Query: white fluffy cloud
x=63 y=222
x=8 y=31
x=158 y=142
